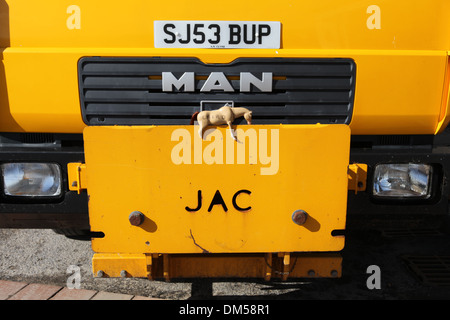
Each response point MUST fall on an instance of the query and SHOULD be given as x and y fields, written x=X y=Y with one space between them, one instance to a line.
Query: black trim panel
x=363 y=203
x=71 y=211
x=68 y=211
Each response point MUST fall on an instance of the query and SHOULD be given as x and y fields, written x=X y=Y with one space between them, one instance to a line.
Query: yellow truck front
x=348 y=102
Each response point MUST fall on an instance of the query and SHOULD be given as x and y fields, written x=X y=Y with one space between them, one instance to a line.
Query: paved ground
x=30 y=258
x=13 y=290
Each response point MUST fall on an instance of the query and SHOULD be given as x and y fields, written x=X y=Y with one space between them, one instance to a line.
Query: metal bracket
x=222 y=102
x=125 y=265
x=357 y=177
x=155 y=266
x=77 y=176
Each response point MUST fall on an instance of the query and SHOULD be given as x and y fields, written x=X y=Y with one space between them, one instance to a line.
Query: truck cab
x=349 y=108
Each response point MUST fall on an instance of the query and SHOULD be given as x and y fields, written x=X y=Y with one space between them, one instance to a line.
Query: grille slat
x=431 y=269
x=170 y=110
x=292 y=83
x=150 y=97
x=154 y=66
x=140 y=120
x=128 y=91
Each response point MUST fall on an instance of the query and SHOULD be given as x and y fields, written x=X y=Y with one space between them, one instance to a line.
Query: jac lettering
x=218 y=200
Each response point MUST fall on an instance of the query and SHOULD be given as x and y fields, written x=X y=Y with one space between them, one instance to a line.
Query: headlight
x=402 y=180
x=31 y=179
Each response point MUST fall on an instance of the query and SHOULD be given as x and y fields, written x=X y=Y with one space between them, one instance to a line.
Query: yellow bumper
x=164 y=194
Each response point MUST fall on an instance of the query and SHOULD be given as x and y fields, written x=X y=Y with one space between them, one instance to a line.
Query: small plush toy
x=224 y=115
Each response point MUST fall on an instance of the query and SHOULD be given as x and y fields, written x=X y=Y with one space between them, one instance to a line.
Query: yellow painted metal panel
x=268 y=265
x=76 y=173
x=394 y=95
x=396 y=92
x=400 y=49
x=246 y=202
x=444 y=117
x=357 y=177
x=120 y=265
x=326 y=24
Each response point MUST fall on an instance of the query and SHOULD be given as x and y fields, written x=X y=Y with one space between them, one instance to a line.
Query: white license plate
x=217 y=34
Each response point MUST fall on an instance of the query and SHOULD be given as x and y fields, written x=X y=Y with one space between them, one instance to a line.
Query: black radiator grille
x=128 y=91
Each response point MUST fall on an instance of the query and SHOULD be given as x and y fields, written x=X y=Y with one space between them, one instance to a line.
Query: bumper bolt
x=299 y=217
x=136 y=218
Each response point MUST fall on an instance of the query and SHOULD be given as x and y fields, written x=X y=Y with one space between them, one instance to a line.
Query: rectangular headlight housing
x=403 y=180
x=31 y=179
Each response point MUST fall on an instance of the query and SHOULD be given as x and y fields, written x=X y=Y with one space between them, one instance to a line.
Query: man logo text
x=216 y=81
x=262 y=146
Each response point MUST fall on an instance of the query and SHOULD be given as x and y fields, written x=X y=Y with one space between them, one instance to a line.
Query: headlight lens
x=402 y=180
x=31 y=179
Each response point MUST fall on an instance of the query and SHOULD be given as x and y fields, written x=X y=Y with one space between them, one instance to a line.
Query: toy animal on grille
x=224 y=115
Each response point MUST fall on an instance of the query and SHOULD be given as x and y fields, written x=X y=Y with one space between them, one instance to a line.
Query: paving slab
x=102 y=295
x=144 y=298
x=9 y=288
x=74 y=294
x=14 y=290
x=36 y=291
